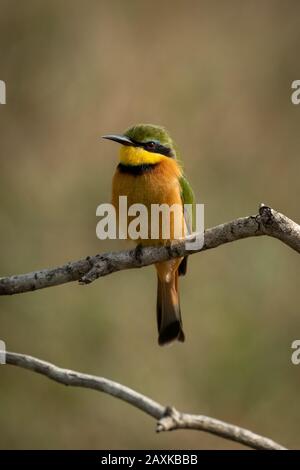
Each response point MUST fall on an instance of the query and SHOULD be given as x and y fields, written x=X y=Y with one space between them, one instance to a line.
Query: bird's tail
x=169 y=322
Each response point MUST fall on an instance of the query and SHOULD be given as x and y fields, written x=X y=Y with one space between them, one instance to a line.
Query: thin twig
x=266 y=222
x=167 y=417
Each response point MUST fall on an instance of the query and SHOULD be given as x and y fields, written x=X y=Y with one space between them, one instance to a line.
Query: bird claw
x=138 y=252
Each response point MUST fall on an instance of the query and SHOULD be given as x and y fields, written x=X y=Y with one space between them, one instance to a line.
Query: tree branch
x=168 y=418
x=266 y=222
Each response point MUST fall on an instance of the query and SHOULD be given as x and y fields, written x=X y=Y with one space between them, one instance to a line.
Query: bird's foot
x=138 y=252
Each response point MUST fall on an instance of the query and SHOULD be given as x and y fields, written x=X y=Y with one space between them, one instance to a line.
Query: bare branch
x=266 y=222
x=168 y=418
x=176 y=420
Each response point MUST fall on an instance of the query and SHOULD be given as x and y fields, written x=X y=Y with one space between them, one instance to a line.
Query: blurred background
x=218 y=75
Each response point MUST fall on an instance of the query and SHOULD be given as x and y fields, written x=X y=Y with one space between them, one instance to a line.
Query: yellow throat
x=139 y=156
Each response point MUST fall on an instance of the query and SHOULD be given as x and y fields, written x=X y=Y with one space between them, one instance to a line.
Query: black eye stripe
x=158 y=148
x=154 y=147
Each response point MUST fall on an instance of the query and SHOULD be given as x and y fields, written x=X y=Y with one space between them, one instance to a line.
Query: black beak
x=121 y=139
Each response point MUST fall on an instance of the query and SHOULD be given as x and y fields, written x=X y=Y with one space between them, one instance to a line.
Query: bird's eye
x=151 y=145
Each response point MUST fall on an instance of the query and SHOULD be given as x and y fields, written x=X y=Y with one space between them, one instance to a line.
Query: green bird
x=150 y=172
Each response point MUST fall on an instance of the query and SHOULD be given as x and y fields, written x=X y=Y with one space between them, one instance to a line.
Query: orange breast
x=159 y=185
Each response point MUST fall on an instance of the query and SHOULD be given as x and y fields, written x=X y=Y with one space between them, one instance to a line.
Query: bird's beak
x=121 y=139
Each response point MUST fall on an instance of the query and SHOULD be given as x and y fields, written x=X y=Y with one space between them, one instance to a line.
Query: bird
x=150 y=172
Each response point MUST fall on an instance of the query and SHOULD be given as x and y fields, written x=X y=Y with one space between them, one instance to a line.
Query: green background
x=218 y=75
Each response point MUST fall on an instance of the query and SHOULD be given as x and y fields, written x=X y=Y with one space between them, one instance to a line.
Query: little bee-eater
x=149 y=173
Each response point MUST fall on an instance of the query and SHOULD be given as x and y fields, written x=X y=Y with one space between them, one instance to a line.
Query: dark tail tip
x=170 y=333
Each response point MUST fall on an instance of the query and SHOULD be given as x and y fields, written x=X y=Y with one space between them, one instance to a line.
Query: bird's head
x=144 y=144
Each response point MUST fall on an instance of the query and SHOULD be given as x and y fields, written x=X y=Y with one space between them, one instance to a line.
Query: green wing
x=187 y=197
